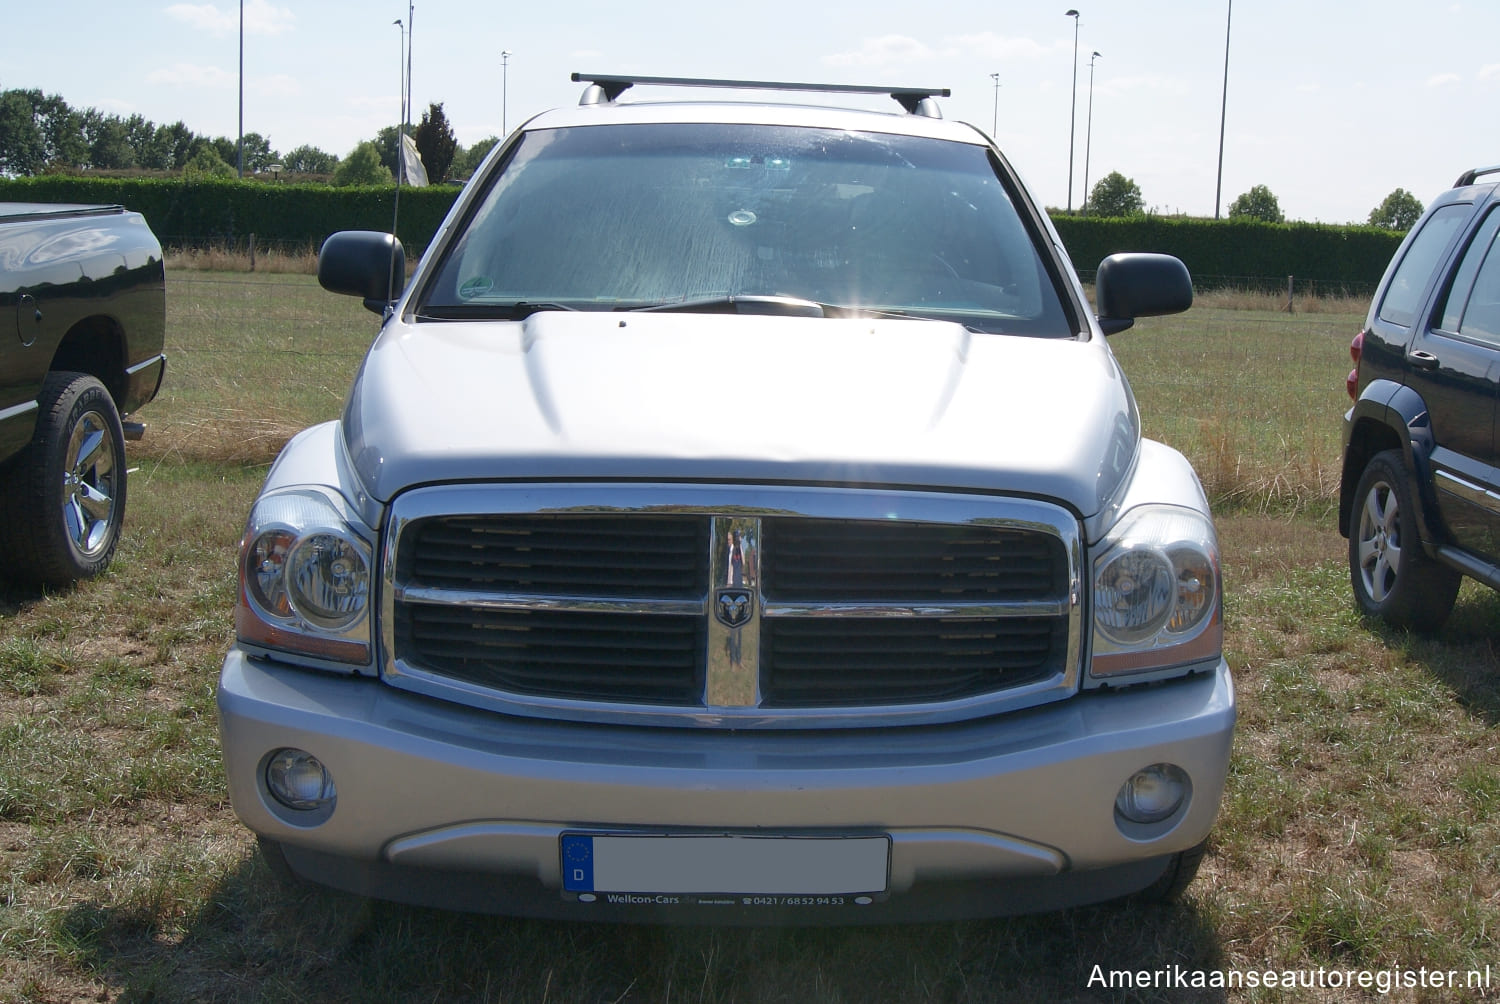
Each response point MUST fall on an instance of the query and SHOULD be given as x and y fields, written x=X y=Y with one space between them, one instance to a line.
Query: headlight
x=305 y=579
x=1157 y=593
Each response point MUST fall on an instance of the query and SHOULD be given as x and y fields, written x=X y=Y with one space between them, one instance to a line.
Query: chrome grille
x=669 y=604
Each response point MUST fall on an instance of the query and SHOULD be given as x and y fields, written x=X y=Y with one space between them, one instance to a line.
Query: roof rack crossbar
x=1469 y=177
x=910 y=98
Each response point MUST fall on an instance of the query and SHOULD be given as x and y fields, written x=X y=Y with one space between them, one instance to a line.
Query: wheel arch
x=95 y=345
x=1388 y=416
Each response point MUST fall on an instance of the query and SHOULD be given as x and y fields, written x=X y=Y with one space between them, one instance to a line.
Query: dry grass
x=276 y=261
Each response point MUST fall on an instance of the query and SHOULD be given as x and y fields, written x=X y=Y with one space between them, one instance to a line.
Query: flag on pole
x=413 y=173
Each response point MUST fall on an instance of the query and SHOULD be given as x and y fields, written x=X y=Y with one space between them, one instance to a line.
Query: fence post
x=1289 y=283
x=252 y=252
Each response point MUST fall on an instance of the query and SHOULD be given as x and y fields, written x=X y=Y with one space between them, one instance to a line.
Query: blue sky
x=1331 y=105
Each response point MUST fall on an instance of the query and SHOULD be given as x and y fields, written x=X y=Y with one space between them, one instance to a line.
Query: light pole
x=1088 y=142
x=504 y=89
x=239 y=147
x=995 y=121
x=1073 y=107
x=1223 y=109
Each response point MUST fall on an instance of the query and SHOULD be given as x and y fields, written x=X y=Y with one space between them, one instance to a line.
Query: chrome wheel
x=1378 y=544
x=91 y=470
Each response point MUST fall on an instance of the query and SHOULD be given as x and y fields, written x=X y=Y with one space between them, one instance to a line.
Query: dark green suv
x=1420 y=498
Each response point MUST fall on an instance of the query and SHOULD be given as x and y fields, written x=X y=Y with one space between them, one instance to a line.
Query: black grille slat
x=559 y=654
x=838 y=561
x=822 y=662
x=569 y=555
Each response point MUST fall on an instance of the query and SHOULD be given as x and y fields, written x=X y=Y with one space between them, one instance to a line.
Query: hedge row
x=196 y=212
x=1220 y=252
x=213 y=212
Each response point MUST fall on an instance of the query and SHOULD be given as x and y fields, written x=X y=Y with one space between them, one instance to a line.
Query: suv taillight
x=1351 y=382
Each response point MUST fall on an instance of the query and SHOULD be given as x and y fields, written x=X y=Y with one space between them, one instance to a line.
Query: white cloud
x=188 y=75
x=988 y=45
x=261 y=18
x=1443 y=80
x=278 y=85
x=886 y=50
x=1490 y=72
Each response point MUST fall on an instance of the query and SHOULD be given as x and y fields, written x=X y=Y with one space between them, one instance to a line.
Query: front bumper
x=450 y=806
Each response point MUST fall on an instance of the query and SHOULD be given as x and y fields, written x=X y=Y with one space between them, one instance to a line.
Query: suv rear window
x=621 y=216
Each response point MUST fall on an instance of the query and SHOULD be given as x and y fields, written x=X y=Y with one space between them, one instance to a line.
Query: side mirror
x=363 y=263
x=1136 y=284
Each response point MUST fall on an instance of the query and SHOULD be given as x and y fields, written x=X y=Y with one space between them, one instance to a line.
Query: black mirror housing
x=1137 y=284
x=363 y=263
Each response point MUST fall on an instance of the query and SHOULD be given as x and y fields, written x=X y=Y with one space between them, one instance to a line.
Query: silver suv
x=740 y=517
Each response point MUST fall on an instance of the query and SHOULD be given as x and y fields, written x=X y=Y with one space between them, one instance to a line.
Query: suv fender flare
x=1389 y=415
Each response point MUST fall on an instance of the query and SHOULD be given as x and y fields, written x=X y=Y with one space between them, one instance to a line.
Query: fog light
x=299 y=780
x=1152 y=793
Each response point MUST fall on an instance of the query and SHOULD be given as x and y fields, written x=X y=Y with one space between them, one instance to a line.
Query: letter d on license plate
x=682 y=863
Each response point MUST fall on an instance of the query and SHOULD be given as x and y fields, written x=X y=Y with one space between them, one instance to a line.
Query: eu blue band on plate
x=578 y=863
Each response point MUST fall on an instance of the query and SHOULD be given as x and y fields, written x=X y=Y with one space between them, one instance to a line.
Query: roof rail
x=605 y=87
x=1469 y=177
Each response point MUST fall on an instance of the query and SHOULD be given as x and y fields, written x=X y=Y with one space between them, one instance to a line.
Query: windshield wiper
x=518 y=311
x=783 y=306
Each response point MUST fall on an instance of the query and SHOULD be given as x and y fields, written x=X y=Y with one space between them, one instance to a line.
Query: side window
x=1403 y=297
x=1481 y=320
x=1457 y=296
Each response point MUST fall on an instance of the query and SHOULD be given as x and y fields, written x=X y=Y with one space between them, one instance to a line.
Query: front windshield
x=635 y=216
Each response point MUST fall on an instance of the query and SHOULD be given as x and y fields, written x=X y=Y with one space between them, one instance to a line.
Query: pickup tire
x=62 y=499
x=1178 y=876
x=1393 y=576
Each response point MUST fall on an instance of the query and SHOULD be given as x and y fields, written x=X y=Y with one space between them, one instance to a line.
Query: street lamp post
x=1088 y=142
x=1223 y=110
x=1073 y=106
x=995 y=120
x=504 y=90
x=239 y=147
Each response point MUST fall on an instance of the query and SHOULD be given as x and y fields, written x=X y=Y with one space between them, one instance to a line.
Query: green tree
x=108 y=141
x=206 y=163
x=1257 y=204
x=259 y=155
x=1116 y=195
x=387 y=143
x=467 y=161
x=363 y=167
x=23 y=149
x=1399 y=211
x=436 y=143
x=307 y=159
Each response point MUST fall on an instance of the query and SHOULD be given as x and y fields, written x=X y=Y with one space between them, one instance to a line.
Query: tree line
x=1118 y=196
x=41 y=133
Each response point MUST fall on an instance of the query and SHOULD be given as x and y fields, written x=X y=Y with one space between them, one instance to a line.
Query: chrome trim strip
x=16 y=411
x=728 y=698
x=434 y=596
x=976 y=609
x=1467 y=491
x=155 y=360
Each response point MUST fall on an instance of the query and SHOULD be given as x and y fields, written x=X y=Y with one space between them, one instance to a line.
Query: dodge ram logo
x=733 y=607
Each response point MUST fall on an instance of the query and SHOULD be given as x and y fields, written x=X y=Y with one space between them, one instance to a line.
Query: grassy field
x=1360 y=830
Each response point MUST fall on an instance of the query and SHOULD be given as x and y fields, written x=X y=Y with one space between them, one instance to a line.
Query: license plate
x=737 y=864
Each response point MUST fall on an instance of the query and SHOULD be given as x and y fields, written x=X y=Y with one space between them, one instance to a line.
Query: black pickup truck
x=85 y=292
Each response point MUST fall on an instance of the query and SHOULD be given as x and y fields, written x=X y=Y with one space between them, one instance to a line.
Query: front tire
x=62 y=502
x=1393 y=577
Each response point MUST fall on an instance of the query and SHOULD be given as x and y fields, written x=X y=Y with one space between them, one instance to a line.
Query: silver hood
x=741 y=398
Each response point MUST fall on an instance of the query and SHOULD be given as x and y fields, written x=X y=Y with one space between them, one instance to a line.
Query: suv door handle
x=1422 y=360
